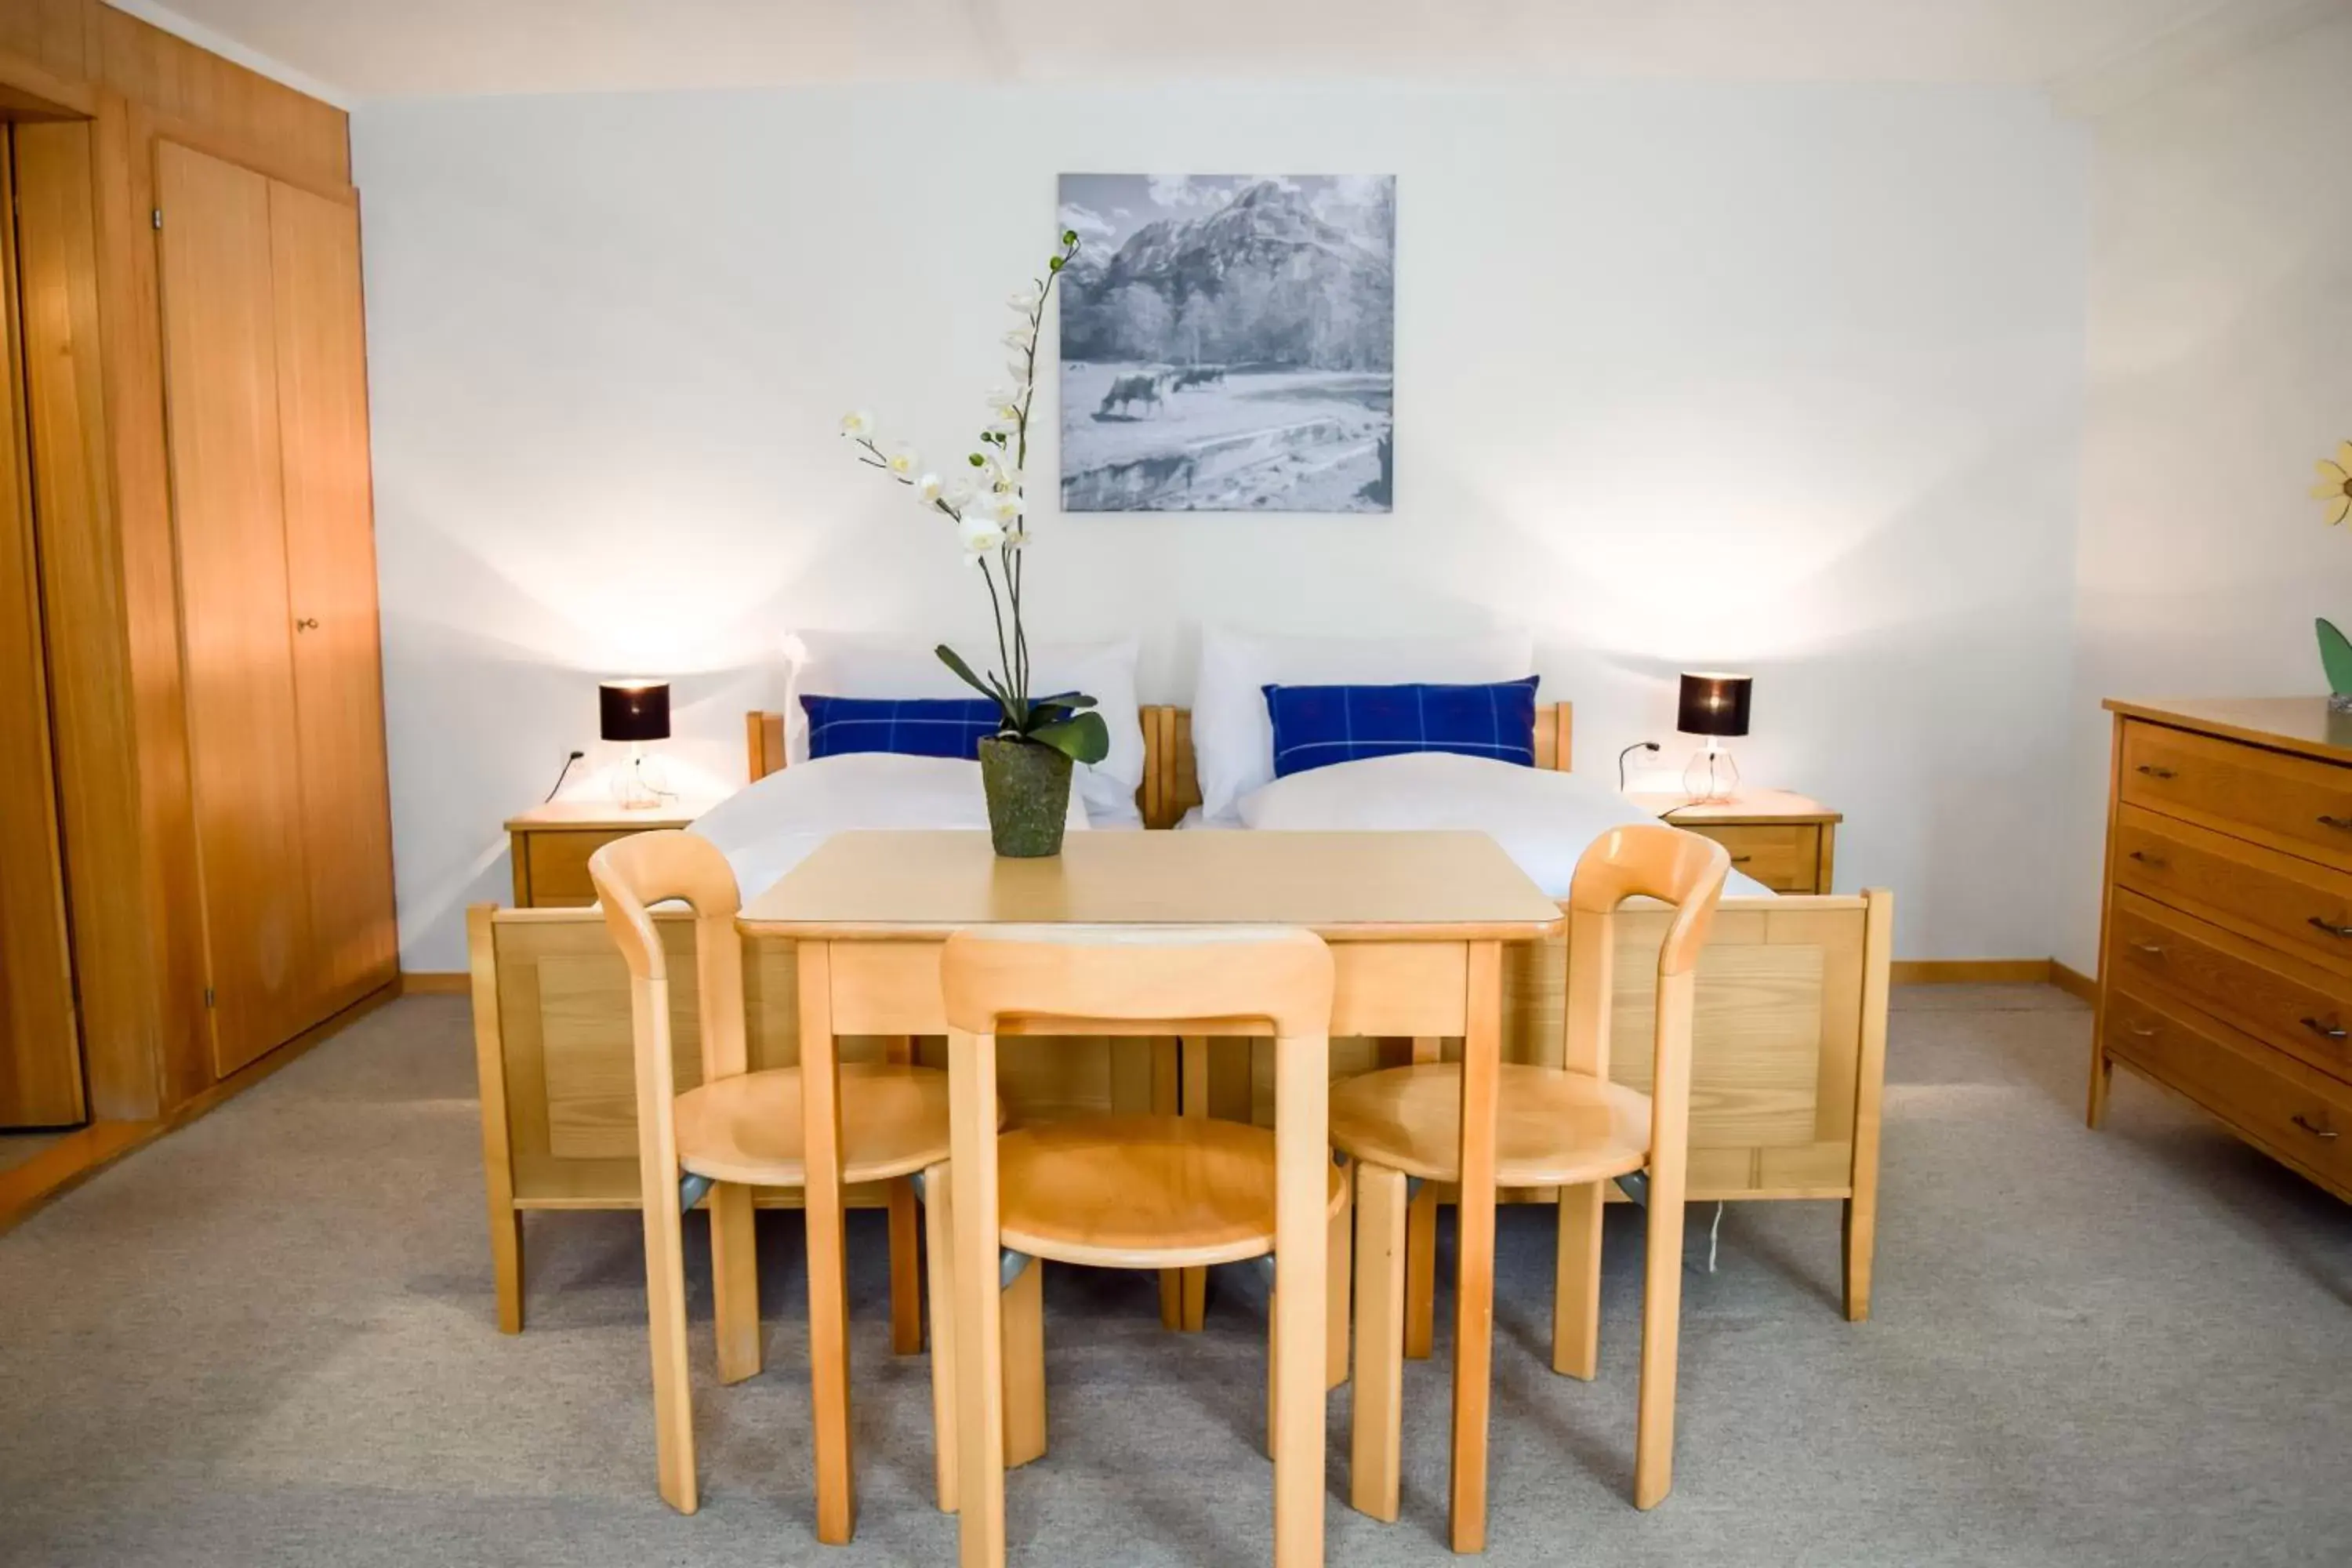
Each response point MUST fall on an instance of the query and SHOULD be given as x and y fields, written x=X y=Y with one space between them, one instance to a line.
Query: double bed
x=1789 y=1036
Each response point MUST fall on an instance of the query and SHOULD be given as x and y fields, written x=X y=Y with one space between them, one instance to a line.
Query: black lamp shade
x=1714 y=705
x=639 y=709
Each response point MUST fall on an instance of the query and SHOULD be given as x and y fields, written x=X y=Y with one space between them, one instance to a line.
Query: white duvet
x=766 y=830
x=1544 y=820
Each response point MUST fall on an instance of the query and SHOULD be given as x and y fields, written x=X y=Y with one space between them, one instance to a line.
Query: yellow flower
x=2335 y=486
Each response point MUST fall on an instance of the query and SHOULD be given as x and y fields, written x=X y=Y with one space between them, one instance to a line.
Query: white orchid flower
x=1026 y=301
x=928 y=490
x=1022 y=338
x=978 y=534
x=903 y=460
x=956 y=492
x=857 y=425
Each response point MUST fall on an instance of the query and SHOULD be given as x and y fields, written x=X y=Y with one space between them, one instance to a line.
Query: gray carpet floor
x=269 y=1339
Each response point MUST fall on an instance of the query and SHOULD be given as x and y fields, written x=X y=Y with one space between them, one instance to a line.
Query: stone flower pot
x=1028 y=788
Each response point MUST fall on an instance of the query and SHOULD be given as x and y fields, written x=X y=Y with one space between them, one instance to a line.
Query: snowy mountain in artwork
x=1228 y=343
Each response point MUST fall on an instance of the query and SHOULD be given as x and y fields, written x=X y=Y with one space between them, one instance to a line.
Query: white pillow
x=768 y=829
x=833 y=664
x=1233 y=739
x=1544 y=820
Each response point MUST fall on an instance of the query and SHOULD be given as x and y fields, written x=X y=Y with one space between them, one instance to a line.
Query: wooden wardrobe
x=40 y=1047
x=265 y=412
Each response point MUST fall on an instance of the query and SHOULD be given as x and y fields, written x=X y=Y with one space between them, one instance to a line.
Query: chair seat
x=894 y=1122
x=1553 y=1126
x=1140 y=1191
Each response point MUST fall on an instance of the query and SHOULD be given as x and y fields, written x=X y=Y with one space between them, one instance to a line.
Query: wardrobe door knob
x=307 y=624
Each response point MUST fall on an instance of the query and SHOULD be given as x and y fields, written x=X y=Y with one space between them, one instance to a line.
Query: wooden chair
x=1151 y=1192
x=1568 y=1127
x=739 y=1130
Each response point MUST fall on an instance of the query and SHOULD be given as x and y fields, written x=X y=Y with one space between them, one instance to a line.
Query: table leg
x=1166 y=1099
x=978 y=1325
x=1473 y=1288
x=1195 y=1092
x=1302 y=1230
x=1420 y=1246
x=905 y=1224
x=828 y=1282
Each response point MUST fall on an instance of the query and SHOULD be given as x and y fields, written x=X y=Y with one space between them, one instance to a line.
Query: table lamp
x=634 y=711
x=1713 y=706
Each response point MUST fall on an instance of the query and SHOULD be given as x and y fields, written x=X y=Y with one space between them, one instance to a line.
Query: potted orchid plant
x=1025 y=766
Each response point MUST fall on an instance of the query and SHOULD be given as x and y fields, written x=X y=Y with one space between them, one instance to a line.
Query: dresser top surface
x=2302 y=724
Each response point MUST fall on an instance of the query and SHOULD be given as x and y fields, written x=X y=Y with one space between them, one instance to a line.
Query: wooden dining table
x=1417 y=921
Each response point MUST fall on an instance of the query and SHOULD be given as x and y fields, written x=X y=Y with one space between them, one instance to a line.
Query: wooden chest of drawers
x=2225 y=970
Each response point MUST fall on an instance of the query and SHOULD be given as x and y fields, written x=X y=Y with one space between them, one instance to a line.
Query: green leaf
x=978 y=461
x=1063 y=699
x=988 y=688
x=1084 y=739
x=2335 y=657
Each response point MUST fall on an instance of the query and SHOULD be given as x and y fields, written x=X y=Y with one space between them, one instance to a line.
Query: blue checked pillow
x=1314 y=726
x=929 y=727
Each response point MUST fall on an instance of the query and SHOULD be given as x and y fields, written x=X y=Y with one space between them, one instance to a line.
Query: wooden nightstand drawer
x=2275 y=1102
x=1784 y=857
x=557 y=865
x=551 y=845
x=2295 y=803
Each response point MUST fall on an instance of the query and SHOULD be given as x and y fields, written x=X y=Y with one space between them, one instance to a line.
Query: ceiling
x=356 y=50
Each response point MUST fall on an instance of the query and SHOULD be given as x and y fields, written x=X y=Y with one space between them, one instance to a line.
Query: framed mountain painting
x=1228 y=343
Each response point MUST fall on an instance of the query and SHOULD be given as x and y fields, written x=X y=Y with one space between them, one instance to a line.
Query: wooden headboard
x=1172 y=784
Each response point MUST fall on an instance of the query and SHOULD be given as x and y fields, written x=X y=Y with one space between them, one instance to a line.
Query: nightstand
x=1785 y=841
x=552 y=844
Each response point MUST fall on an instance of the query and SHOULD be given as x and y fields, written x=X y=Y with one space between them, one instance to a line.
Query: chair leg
x=1023 y=1338
x=1377 y=1437
x=506 y=1265
x=906 y=1272
x=1339 y=1279
x=666 y=1327
x=1421 y=1275
x=938 y=1241
x=1576 y=1283
x=1662 y=1301
x=734 y=1281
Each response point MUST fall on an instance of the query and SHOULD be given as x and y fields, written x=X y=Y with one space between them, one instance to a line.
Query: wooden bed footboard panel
x=559 y=1042
x=1778 y=1080
x=1783 y=1061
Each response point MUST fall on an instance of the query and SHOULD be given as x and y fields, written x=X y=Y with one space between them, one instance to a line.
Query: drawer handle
x=2153 y=862
x=2153 y=950
x=2152 y=771
x=2341 y=823
x=2342 y=933
x=2325 y=1031
x=1741 y=859
x=2328 y=1134
x=2144 y=1034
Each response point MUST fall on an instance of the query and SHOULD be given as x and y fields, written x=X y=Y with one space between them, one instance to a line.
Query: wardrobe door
x=40 y=1056
x=330 y=572
x=221 y=415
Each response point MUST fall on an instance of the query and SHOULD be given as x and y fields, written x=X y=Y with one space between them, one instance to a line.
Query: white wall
x=1780 y=377
x=2220 y=368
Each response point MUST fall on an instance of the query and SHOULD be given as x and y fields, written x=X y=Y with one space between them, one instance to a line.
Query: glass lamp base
x=632 y=791
x=1712 y=777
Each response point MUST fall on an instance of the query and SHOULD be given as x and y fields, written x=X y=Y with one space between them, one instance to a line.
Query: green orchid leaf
x=1082 y=739
x=988 y=688
x=2335 y=657
x=1062 y=700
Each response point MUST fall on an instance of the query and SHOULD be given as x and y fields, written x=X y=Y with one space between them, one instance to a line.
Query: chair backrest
x=1093 y=980
x=1644 y=860
x=631 y=876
